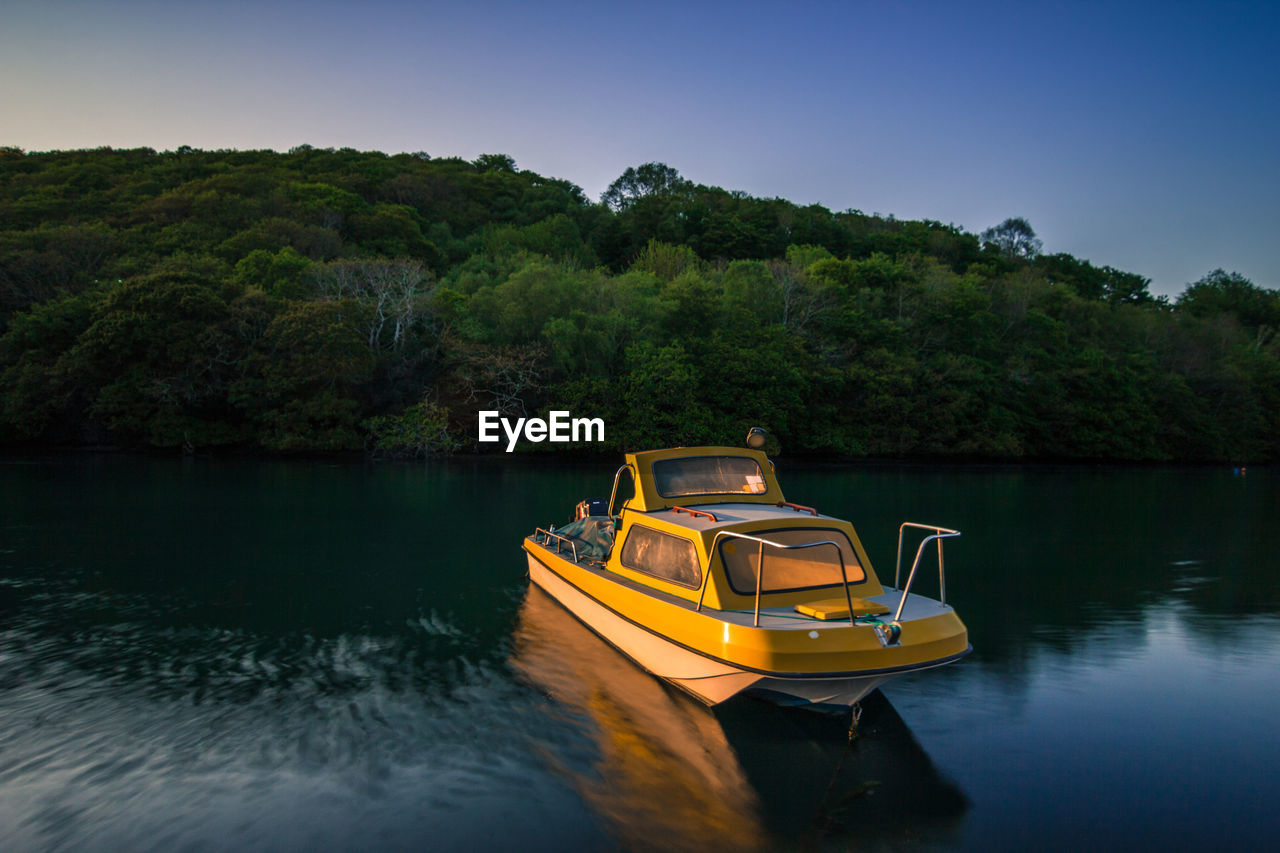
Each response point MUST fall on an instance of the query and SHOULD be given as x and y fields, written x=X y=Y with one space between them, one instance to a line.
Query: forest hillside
x=335 y=300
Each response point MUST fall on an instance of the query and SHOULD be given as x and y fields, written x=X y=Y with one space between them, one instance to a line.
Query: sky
x=1143 y=136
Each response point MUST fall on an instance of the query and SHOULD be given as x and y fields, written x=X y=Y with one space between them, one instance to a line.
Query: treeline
x=322 y=300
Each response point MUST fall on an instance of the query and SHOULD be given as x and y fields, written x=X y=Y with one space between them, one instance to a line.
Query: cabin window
x=793 y=569
x=662 y=555
x=708 y=475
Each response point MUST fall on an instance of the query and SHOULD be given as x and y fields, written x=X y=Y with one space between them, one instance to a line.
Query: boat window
x=662 y=555
x=708 y=475
x=790 y=570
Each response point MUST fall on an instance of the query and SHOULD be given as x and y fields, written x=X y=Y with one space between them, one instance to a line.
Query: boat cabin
x=694 y=526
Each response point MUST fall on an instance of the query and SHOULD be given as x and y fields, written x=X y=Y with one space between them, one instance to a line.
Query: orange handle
x=798 y=507
x=696 y=512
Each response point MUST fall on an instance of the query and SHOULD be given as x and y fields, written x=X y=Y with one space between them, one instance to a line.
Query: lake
x=226 y=654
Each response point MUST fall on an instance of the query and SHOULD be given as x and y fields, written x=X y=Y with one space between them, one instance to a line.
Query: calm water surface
x=213 y=655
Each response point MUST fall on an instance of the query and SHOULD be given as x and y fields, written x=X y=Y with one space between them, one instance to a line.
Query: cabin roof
x=729 y=515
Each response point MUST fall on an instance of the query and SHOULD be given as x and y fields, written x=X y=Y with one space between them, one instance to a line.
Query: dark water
x=214 y=655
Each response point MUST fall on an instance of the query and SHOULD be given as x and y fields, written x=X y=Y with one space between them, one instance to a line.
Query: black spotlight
x=756 y=438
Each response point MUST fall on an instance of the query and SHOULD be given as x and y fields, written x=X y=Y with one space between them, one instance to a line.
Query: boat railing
x=761 y=543
x=616 y=478
x=939 y=533
x=548 y=535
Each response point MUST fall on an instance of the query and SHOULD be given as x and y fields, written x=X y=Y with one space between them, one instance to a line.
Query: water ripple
x=129 y=733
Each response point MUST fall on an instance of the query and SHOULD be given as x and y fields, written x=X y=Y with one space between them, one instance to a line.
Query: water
x=212 y=655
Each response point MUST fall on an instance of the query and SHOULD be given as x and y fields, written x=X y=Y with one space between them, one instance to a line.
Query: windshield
x=708 y=475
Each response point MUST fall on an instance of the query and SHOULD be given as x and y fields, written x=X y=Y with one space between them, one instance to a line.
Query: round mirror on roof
x=756 y=438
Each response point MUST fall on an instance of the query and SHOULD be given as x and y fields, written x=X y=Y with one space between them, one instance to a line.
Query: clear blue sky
x=1143 y=136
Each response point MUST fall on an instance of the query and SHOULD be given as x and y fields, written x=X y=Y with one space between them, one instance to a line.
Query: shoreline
x=577 y=457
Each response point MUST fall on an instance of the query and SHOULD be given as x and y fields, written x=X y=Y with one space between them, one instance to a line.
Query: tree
x=35 y=386
x=157 y=360
x=1014 y=238
x=659 y=387
x=1220 y=292
x=1106 y=283
x=651 y=179
x=279 y=274
x=1126 y=287
x=495 y=163
x=301 y=383
x=665 y=260
x=395 y=292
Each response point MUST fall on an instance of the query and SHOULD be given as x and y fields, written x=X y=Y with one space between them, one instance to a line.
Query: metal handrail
x=844 y=574
x=548 y=534
x=616 y=478
x=940 y=533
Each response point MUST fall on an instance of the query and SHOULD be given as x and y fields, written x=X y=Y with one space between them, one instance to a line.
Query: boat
x=707 y=577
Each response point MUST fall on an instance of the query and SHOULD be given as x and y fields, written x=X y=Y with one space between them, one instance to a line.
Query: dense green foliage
x=333 y=300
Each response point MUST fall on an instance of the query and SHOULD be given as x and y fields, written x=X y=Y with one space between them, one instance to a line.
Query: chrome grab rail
x=939 y=533
x=844 y=574
x=547 y=535
x=616 y=478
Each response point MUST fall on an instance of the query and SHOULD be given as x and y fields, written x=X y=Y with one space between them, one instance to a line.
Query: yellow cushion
x=838 y=608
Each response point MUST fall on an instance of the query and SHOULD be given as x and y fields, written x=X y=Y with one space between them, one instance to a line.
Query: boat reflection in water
x=672 y=774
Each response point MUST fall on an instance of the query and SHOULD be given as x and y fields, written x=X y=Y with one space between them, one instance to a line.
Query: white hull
x=709 y=680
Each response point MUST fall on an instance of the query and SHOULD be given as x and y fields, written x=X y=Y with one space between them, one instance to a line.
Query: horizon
x=1147 y=144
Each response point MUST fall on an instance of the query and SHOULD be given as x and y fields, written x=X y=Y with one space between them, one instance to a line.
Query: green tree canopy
x=1013 y=238
x=650 y=179
x=332 y=299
